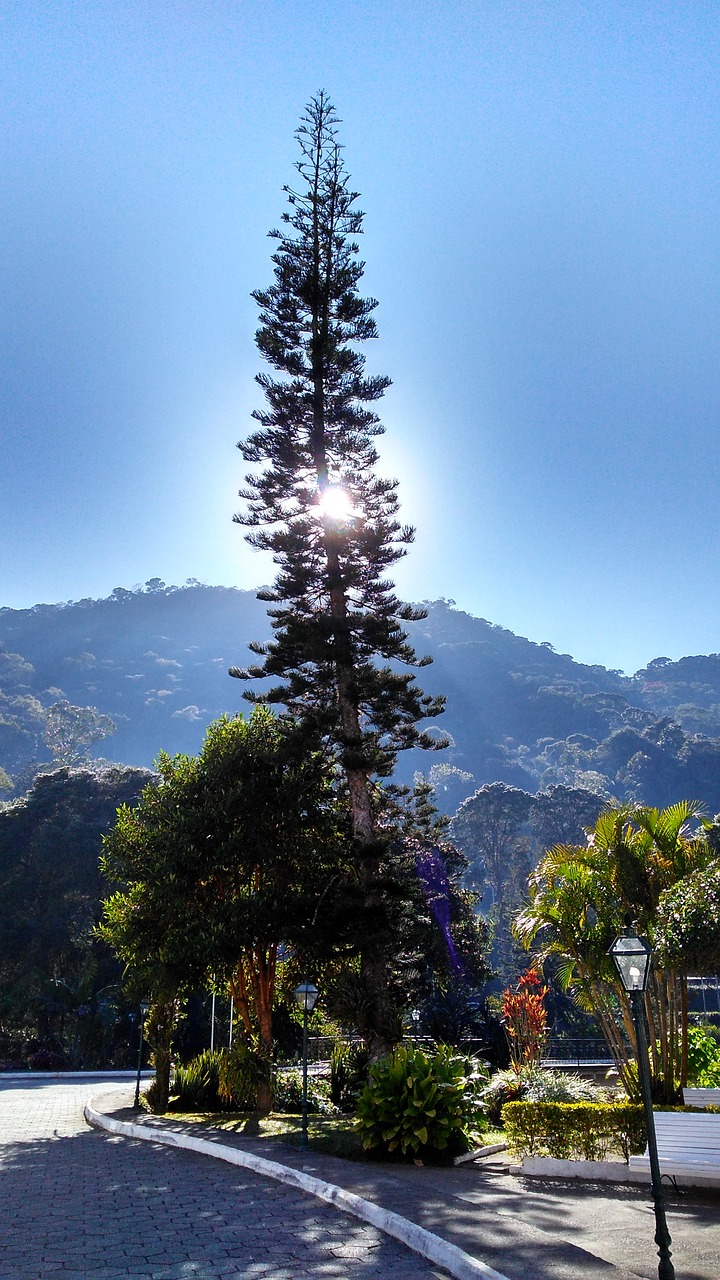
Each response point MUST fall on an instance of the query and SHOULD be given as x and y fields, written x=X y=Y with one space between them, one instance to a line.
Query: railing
x=568 y=1051
x=579 y=1051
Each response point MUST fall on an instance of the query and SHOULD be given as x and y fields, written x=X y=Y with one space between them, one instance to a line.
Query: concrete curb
x=459 y=1264
x=480 y=1152
x=587 y=1170
x=75 y=1075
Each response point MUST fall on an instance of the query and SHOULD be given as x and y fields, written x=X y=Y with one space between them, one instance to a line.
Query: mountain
x=155 y=660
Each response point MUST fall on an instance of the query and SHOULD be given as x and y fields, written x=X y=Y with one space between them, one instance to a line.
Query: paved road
x=527 y=1228
x=78 y=1204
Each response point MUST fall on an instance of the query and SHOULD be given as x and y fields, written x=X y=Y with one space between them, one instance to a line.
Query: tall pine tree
x=314 y=499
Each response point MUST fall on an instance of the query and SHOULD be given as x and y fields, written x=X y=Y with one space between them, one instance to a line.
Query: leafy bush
x=196 y=1086
x=419 y=1104
x=349 y=1067
x=574 y=1130
x=535 y=1084
x=703 y=1057
x=288 y=1094
x=241 y=1071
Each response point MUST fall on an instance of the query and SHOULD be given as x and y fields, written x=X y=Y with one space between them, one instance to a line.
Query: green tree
x=22 y=725
x=231 y=858
x=579 y=899
x=50 y=891
x=490 y=828
x=71 y=731
x=315 y=500
x=560 y=815
x=688 y=930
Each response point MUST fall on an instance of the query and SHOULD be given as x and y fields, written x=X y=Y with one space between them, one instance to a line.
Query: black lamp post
x=306 y=995
x=144 y=1010
x=632 y=957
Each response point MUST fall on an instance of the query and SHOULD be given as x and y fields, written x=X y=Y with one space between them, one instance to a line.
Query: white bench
x=688 y=1147
x=701 y=1097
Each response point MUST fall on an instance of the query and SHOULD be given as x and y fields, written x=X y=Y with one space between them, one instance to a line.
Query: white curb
x=31 y=1076
x=459 y=1264
x=480 y=1152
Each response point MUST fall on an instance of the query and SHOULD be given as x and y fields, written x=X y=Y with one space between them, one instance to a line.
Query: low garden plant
x=226 y=1081
x=421 y=1105
x=349 y=1068
x=287 y=1094
x=195 y=1085
x=574 y=1130
x=536 y=1084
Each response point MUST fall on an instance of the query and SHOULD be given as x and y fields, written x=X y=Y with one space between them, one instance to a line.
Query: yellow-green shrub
x=574 y=1130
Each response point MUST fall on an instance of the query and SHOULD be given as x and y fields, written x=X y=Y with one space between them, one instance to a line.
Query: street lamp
x=633 y=957
x=144 y=1010
x=306 y=995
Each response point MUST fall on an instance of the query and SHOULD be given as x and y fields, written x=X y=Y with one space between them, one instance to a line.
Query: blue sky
x=541 y=187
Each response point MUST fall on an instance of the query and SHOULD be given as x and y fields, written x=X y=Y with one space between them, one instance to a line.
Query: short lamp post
x=633 y=957
x=306 y=995
x=144 y=1010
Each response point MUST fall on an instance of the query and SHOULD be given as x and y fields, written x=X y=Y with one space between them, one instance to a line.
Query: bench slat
x=688 y=1143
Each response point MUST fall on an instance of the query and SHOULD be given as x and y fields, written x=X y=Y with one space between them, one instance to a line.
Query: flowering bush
x=525 y=1019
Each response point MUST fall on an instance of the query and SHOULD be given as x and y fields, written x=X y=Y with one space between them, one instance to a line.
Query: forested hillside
x=155 y=660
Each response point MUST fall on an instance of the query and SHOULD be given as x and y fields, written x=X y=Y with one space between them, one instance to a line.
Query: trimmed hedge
x=574 y=1130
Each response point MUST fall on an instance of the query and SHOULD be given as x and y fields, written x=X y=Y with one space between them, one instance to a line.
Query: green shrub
x=349 y=1068
x=535 y=1084
x=242 y=1070
x=574 y=1130
x=419 y=1104
x=703 y=1057
x=287 y=1097
x=195 y=1086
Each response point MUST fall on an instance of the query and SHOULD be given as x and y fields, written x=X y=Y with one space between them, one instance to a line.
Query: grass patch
x=328 y=1135
x=491 y=1136
x=331 y=1135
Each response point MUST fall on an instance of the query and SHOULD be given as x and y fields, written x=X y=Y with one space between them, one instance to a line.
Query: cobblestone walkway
x=78 y=1204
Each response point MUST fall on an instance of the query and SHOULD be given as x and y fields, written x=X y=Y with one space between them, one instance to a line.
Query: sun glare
x=335 y=504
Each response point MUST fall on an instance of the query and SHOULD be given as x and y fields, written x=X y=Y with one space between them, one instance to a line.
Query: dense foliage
x=56 y=981
x=574 y=1130
x=420 y=1104
x=704 y=1056
x=536 y=1084
x=229 y=858
x=580 y=897
x=688 y=932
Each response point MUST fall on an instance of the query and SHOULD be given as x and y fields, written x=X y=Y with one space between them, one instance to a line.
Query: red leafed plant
x=525 y=1019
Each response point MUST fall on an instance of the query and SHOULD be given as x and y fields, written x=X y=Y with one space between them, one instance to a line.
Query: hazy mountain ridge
x=156 y=661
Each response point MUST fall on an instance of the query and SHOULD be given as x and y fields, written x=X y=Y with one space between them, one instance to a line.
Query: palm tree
x=580 y=897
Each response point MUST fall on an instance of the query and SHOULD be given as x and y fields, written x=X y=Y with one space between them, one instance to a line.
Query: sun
x=334 y=503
